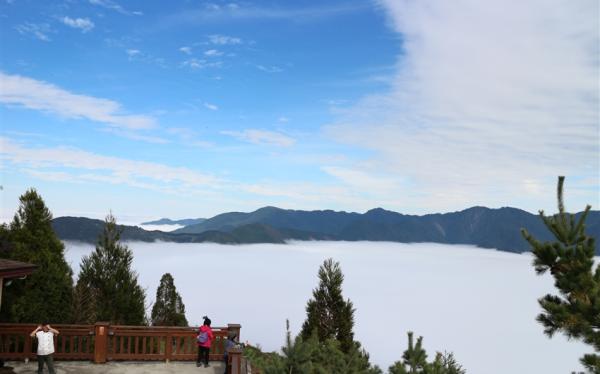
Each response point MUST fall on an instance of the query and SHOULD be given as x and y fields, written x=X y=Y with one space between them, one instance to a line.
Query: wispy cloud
x=262 y=137
x=37 y=30
x=112 y=5
x=211 y=106
x=84 y=24
x=218 y=39
x=186 y=50
x=81 y=165
x=195 y=63
x=487 y=100
x=213 y=53
x=46 y=97
x=213 y=12
x=133 y=52
x=135 y=135
x=269 y=69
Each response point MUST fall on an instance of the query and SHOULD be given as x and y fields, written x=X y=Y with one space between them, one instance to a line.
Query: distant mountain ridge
x=182 y=222
x=480 y=226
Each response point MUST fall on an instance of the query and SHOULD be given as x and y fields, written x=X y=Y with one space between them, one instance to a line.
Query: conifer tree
x=328 y=314
x=107 y=275
x=47 y=293
x=570 y=260
x=414 y=361
x=168 y=309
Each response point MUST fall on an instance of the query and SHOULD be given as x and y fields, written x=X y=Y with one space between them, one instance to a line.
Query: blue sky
x=195 y=108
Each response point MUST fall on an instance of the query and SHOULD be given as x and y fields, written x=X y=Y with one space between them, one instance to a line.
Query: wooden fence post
x=100 y=342
x=235 y=360
x=168 y=347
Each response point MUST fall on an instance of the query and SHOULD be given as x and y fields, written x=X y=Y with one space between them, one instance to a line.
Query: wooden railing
x=103 y=342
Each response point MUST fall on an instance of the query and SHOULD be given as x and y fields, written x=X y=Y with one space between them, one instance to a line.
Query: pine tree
x=570 y=260
x=328 y=314
x=168 y=309
x=46 y=294
x=414 y=361
x=310 y=356
x=84 y=304
x=107 y=275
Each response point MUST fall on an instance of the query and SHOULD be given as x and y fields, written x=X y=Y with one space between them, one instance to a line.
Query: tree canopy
x=570 y=260
x=168 y=309
x=108 y=281
x=46 y=294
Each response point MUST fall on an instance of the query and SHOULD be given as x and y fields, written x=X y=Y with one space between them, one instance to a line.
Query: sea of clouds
x=480 y=304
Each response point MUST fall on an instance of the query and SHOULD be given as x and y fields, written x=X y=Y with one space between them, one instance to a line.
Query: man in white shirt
x=45 y=337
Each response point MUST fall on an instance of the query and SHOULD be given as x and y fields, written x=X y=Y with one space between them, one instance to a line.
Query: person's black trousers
x=49 y=362
x=203 y=353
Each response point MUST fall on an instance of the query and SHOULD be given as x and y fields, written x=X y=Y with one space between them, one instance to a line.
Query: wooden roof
x=15 y=269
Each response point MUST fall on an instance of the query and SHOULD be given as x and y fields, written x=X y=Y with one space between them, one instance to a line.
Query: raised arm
x=36 y=330
x=52 y=330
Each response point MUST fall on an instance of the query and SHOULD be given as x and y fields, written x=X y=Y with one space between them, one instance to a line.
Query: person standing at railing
x=44 y=334
x=229 y=343
x=205 y=338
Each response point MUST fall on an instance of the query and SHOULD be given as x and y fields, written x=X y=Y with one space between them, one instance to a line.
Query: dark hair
x=45 y=323
x=206 y=321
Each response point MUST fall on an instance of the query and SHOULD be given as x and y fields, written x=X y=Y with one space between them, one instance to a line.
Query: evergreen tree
x=168 y=309
x=414 y=361
x=84 y=304
x=46 y=294
x=328 y=314
x=570 y=260
x=310 y=356
x=107 y=276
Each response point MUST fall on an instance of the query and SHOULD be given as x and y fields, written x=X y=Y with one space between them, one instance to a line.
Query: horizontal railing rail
x=104 y=342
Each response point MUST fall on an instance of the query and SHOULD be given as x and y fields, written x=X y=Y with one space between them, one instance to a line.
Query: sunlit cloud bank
x=480 y=304
x=491 y=100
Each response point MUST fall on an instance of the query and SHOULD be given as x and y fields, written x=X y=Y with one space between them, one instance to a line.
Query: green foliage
x=570 y=260
x=310 y=356
x=106 y=276
x=168 y=309
x=328 y=314
x=47 y=294
x=414 y=361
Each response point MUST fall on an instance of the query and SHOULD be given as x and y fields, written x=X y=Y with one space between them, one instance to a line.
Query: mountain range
x=182 y=222
x=480 y=226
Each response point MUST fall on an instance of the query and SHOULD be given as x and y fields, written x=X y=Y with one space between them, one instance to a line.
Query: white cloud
x=283 y=119
x=46 y=97
x=84 y=24
x=269 y=69
x=95 y=167
x=211 y=106
x=132 y=52
x=112 y=5
x=213 y=53
x=262 y=137
x=490 y=101
x=195 y=63
x=224 y=40
x=186 y=50
x=38 y=31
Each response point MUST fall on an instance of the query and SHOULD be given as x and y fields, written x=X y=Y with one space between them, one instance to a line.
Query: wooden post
x=100 y=342
x=235 y=360
x=168 y=347
x=236 y=328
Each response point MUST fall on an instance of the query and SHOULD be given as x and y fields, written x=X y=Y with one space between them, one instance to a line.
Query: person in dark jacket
x=229 y=343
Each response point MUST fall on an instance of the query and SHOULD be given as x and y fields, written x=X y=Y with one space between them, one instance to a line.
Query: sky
x=189 y=108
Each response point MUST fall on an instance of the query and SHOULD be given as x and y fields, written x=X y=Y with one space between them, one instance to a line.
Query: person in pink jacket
x=205 y=338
